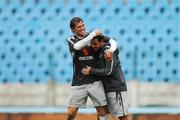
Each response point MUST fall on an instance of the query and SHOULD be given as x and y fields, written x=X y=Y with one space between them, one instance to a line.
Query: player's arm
x=113 y=46
x=112 y=42
x=82 y=43
x=107 y=70
x=102 y=71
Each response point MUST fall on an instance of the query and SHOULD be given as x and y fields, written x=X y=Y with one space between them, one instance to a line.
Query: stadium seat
x=34 y=35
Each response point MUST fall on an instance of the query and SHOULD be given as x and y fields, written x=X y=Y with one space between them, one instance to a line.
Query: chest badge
x=85 y=51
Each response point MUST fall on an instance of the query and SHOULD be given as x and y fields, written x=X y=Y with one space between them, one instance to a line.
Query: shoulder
x=106 y=46
x=70 y=39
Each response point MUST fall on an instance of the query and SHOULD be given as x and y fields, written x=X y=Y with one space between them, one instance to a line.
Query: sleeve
x=82 y=43
x=107 y=70
x=71 y=44
x=112 y=42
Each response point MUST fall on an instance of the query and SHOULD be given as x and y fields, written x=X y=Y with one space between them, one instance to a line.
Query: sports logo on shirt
x=85 y=55
x=85 y=51
x=86 y=58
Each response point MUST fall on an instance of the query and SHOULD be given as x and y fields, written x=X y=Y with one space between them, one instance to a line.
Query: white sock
x=106 y=117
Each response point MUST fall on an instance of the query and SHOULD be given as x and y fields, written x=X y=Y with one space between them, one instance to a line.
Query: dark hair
x=75 y=20
x=99 y=38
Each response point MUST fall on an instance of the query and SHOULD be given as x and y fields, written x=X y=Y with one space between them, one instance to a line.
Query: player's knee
x=124 y=118
x=102 y=110
x=71 y=114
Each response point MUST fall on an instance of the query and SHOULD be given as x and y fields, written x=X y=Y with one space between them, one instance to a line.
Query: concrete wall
x=51 y=94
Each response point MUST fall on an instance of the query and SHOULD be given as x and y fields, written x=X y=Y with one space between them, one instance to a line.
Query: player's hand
x=97 y=32
x=108 y=55
x=85 y=71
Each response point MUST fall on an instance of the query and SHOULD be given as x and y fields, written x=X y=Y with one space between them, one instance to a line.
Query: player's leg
x=124 y=118
x=101 y=110
x=118 y=104
x=71 y=114
x=98 y=97
x=77 y=98
x=102 y=113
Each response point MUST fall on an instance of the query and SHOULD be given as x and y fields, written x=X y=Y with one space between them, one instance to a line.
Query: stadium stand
x=35 y=61
x=33 y=30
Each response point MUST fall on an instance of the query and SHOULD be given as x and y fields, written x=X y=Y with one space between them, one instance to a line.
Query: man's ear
x=72 y=30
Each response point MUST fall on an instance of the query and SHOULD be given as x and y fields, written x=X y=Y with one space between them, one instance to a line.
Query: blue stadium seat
x=146 y=64
x=85 y=9
x=9 y=9
x=25 y=10
x=113 y=9
x=126 y=57
x=147 y=33
x=143 y=9
x=99 y=9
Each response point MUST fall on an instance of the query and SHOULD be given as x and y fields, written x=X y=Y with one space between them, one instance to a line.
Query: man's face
x=79 y=29
x=95 y=44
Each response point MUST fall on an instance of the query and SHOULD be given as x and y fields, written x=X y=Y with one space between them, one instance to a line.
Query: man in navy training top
x=113 y=78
